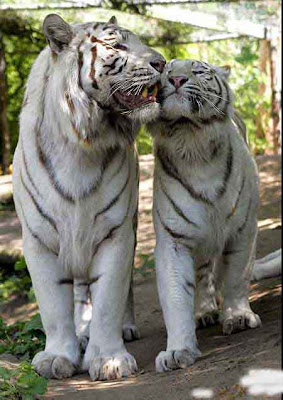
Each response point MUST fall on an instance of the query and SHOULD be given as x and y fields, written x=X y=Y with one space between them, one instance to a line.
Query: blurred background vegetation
x=253 y=56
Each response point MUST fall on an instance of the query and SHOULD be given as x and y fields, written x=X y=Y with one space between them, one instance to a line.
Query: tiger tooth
x=144 y=93
x=155 y=90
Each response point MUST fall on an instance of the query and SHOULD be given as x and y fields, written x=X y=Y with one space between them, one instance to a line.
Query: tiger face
x=195 y=90
x=114 y=68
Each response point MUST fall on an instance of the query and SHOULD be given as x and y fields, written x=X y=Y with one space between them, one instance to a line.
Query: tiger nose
x=158 y=64
x=178 y=81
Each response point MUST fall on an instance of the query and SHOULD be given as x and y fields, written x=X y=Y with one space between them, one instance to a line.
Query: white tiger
x=76 y=185
x=205 y=208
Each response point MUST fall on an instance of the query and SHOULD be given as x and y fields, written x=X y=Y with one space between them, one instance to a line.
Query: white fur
x=71 y=237
x=179 y=260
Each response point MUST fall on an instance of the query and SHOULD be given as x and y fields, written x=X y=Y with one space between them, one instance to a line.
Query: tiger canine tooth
x=155 y=90
x=144 y=93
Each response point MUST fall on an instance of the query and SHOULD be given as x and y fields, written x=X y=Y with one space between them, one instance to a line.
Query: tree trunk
x=4 y=130
x=275 y=74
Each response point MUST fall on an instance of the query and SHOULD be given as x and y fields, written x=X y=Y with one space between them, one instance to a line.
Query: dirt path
x=224 y=359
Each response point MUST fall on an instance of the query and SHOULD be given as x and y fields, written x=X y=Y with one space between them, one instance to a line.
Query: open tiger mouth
x=148 y=95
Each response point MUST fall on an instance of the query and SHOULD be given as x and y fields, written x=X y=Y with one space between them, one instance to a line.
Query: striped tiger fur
x=76 y=185
x=205 y=208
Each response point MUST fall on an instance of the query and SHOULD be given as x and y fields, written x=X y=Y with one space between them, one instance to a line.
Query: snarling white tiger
x=76 y=185
x=205 y=208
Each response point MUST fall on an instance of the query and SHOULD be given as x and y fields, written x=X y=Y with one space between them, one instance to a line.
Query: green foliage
x=144 y=142
x=147 y=266
x=22 y=339
x=17 y=283
x=21 y=49
x=23 y=45
x=22 y=383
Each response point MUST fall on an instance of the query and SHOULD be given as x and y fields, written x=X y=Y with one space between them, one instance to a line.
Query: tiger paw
x=130 y=332
x=175 y=359
x=207 y=319
x=237 y=320
x=51 y=366
x=113 y=367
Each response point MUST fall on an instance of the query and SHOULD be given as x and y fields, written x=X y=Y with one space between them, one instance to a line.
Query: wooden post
x=4 y=130
x=274 y=45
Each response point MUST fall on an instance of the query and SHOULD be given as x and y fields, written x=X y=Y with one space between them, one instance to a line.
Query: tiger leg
x=206 y=310
x=106 y=356
x=176 y=286
x=55 y=299
x=82 y=312
x=238 y=259
x=130 y=330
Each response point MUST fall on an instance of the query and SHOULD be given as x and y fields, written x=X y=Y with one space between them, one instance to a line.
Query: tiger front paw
x=51 y=366
x=112 y=367
x=175 y=359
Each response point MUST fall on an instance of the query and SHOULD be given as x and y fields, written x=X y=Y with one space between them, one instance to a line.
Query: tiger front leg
x=54 y=294
x=238 y=259
x=106 y=357
x=176 y=287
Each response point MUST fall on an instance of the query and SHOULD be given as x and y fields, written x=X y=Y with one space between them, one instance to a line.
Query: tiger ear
x=224 y=71
x=57 y=32
x=113 y=20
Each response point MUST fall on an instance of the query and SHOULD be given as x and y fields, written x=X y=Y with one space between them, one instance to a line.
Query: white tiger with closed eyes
x=76 y=185
x=205 y=208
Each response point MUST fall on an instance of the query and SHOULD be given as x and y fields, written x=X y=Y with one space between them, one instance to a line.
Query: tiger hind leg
x=82 y=312
x=206 y=309
x=130 y=330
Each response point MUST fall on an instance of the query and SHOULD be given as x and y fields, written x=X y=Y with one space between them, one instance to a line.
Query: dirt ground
x=224 y=360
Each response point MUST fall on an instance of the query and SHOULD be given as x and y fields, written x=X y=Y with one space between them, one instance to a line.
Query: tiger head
x=107 y=66
x=195 y=91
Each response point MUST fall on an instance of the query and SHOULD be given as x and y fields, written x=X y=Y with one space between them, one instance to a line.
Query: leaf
x=33 y=324
x=20 y=265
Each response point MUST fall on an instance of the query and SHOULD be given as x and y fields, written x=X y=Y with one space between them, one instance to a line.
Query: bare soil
x=224 y=359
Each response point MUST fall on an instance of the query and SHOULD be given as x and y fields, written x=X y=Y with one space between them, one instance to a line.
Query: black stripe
x=237 y=201
x=82 y=302
x=114 y=228
x=28 y=173
x=203 y=266
x=173 y=173
x=189 y=287
x=220 y=91
x=86 y=283
x=172 y=233
x=94 y=280
x=116 y=198
x=230 y=252
x=35 y=235
x=46 y=162
x=111 y=66
x=227 y=96
x=118 y=170
x=228 y=171
x=44 y=214
x=174 y=205
x=242 y=227
x=66 y=281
